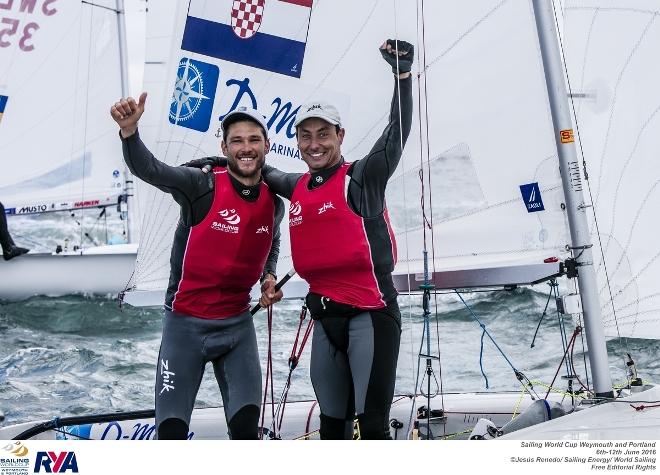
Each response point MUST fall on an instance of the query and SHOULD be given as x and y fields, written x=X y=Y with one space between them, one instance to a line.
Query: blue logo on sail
x=531 y=195
x=194 y=94
x=3 y=104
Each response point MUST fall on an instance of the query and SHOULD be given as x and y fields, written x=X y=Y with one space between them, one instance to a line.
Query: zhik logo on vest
x=52 y=462
x=326 y=207
x=231 y=218
x=294 y=214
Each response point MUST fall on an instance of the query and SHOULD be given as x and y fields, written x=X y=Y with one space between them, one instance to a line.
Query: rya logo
x=230 y=216
x=314 y=107
x=295 y=208
x=263 y=229
x=52 y=462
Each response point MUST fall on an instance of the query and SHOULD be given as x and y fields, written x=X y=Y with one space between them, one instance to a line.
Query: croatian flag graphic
x=264 y=34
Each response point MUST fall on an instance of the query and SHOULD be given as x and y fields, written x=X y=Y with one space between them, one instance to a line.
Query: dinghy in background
x=59 y=69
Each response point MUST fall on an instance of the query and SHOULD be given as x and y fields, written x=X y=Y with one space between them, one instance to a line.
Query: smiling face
x=319 y=143
x=245 y=147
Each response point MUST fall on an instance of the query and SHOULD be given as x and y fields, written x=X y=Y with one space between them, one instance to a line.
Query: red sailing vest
x=225 y=253
x=329 y=244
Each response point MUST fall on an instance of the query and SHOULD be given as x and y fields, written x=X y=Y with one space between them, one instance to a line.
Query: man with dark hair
x=356 y=340
x=342 y=244
x=227 y=236
x=9 y=248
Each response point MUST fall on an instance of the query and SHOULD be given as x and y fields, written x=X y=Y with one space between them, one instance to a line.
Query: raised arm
x=366 y=192
x=189 y=187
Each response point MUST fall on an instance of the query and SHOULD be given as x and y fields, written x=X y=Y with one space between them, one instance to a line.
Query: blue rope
x=481 y=356
x=485 y=332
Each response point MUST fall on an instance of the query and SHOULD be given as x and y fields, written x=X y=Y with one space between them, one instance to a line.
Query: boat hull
x=301 y=420
x=100 y=271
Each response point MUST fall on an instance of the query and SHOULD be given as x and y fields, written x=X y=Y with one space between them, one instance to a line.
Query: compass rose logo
x=194 y=94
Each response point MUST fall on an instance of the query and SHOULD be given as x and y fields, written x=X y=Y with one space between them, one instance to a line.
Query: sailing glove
x=405 y=61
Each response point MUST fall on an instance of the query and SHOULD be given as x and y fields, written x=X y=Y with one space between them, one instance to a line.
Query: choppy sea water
x=78 y=355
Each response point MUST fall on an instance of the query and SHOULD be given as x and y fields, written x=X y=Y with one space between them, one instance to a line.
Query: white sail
x=489 y=155
x=494 y=196
x=614 y=79
x=483 y=89
x=59 y=72
x=62 y=65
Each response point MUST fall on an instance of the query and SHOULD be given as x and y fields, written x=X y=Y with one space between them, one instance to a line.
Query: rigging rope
x=84 y=150
x=294 y=358
x=570 y=346
x=427 y=287
x=414 y=362
x=545 y=309
x=519 y=375
x=269 y=377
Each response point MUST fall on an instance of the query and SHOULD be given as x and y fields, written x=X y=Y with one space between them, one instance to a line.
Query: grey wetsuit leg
x=188 y=343
x=361 y=356
x=236 y=365
x=180 y=368
x=331 y=376
x=357 y=355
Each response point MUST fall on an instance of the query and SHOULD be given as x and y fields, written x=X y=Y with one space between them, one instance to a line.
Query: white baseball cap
x=247 y=112
x=321 y=110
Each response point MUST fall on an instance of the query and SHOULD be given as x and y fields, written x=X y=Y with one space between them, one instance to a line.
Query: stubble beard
x=233 y=165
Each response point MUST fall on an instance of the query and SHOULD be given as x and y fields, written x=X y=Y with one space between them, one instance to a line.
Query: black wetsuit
x=9 y=248
x=189 y=342
x=354 y=351
x=5 y=238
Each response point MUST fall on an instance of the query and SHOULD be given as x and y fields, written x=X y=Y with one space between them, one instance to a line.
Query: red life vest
x=225 y=253
x=329 y=244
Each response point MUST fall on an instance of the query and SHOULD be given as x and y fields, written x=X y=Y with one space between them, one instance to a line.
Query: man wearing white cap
x=343 y=246
x=227 y=236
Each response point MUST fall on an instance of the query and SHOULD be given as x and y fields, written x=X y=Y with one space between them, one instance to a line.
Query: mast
x=575 y=205
x=123 y=68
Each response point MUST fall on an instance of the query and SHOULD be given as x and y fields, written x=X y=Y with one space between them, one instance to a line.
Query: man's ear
x=341 y=134
x=223 y=147
x=267 y=147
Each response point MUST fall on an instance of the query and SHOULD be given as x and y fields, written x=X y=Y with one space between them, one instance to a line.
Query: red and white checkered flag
x=246 y=16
